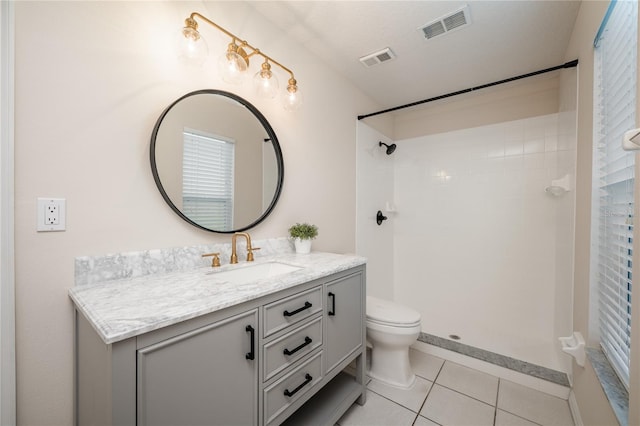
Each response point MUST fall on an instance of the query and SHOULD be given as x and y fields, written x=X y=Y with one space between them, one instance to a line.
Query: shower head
x=390 y=148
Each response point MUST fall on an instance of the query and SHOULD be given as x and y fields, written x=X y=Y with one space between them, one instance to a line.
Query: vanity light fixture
x=234 y=63
x=265 y=82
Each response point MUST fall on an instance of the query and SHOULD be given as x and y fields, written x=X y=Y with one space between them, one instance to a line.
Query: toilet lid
x=387 y=312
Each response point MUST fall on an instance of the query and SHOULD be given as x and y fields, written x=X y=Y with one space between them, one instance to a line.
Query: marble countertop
x=125 y=308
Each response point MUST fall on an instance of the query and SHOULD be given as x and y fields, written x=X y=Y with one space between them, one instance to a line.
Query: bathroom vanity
x=214 y=346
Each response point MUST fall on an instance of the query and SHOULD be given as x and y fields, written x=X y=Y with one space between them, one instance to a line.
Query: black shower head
x=390 y=148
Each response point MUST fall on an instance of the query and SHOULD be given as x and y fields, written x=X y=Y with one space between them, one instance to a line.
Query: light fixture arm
x=192 y=23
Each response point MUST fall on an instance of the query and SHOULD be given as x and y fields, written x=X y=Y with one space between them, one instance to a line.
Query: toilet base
x=391 y=367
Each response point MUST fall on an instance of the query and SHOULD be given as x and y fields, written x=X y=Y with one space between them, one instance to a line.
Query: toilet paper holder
x=574 y=345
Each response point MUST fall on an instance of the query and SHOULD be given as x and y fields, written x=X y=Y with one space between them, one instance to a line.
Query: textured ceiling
x=505 y=38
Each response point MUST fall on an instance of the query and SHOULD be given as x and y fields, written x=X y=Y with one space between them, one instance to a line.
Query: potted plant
x=302 y=234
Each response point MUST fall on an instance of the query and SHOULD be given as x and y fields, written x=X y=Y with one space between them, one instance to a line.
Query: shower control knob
x=380 y=217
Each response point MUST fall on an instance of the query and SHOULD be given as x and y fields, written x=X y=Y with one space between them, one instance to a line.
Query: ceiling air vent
x=453 y=21
x=376 y=58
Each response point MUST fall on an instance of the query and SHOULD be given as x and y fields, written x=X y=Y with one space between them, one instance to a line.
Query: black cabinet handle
x=307 y=341
x=307 y=379
x=252 y=353
x=307 y=305
x=332 y=312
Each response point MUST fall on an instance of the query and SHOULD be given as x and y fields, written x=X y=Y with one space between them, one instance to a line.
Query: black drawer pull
x=332 y=312
x=252 y=353
x=307 y=379
x=307 y=305
x=307 y=341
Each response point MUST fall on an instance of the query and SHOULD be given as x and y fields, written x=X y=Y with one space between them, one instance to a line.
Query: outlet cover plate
x=51 y=214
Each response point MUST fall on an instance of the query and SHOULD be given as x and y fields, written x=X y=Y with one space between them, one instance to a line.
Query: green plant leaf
x=304 y=231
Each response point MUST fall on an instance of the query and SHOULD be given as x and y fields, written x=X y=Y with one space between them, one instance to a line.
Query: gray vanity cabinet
x=343 y=318
x=207 y=376
x=283 y=357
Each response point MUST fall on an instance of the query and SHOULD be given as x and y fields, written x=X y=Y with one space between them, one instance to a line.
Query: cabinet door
x=204 y=377
x=344 y=318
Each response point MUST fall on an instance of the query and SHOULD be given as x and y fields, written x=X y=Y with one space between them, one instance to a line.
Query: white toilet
x=391 y=329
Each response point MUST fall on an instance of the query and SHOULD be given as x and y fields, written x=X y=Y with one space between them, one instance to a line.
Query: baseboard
x=575 y=411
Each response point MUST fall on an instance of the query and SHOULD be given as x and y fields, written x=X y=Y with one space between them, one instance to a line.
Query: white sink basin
x=255 y=272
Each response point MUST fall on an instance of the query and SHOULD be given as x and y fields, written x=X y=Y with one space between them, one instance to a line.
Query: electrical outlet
x=51 y=214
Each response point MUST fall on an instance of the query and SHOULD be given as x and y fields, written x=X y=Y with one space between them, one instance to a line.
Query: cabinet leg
x=361 y=376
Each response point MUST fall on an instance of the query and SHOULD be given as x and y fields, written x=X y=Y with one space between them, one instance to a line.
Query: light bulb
x=232 y=65
x=292 y=98
x=265 y=82
x=192 y=48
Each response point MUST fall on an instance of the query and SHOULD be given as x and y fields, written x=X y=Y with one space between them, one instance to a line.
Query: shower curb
x=523 y=367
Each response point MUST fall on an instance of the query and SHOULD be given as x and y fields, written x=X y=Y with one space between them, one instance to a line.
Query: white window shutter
x=613 y=181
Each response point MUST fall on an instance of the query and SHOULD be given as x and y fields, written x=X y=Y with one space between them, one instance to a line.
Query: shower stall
x=475 y=240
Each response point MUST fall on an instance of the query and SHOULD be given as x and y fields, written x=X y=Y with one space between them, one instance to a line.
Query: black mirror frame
x=270 y=133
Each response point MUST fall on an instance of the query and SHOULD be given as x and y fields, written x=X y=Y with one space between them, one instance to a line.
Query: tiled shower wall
x=479 y=248
x=475 y=235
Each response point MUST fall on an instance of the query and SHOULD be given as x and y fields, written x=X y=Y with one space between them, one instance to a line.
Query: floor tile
x=533 y=405
x=507 y=419
x=425 y=365
x=421 y=421
x=411 y=398
x=448 y=407
x=377 y=411
x=470 y=382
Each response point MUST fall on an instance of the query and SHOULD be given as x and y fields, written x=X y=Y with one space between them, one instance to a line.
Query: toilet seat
x=394 y=329
x=392 y=324
x=387 y=313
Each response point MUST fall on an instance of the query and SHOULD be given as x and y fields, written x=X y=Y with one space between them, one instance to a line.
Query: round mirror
x=217 y=161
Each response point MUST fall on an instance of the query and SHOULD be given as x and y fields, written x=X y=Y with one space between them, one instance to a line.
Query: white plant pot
x=302 y=246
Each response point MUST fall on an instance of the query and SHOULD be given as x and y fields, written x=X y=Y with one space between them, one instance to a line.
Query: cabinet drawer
x=291 y=387
x=283 y=352
x=283 y=313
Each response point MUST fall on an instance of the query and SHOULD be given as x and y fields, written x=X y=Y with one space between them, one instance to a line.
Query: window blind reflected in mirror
x=208 y=179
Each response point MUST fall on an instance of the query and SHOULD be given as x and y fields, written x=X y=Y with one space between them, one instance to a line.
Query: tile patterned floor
x=446 y=393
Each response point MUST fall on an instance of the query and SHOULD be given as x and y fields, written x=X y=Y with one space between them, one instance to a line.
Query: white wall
x=375 y=177
x=529 y=97
x=91 y=80
x=475 y=235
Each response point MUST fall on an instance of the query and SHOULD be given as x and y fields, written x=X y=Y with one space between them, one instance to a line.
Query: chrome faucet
x=234 y=255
